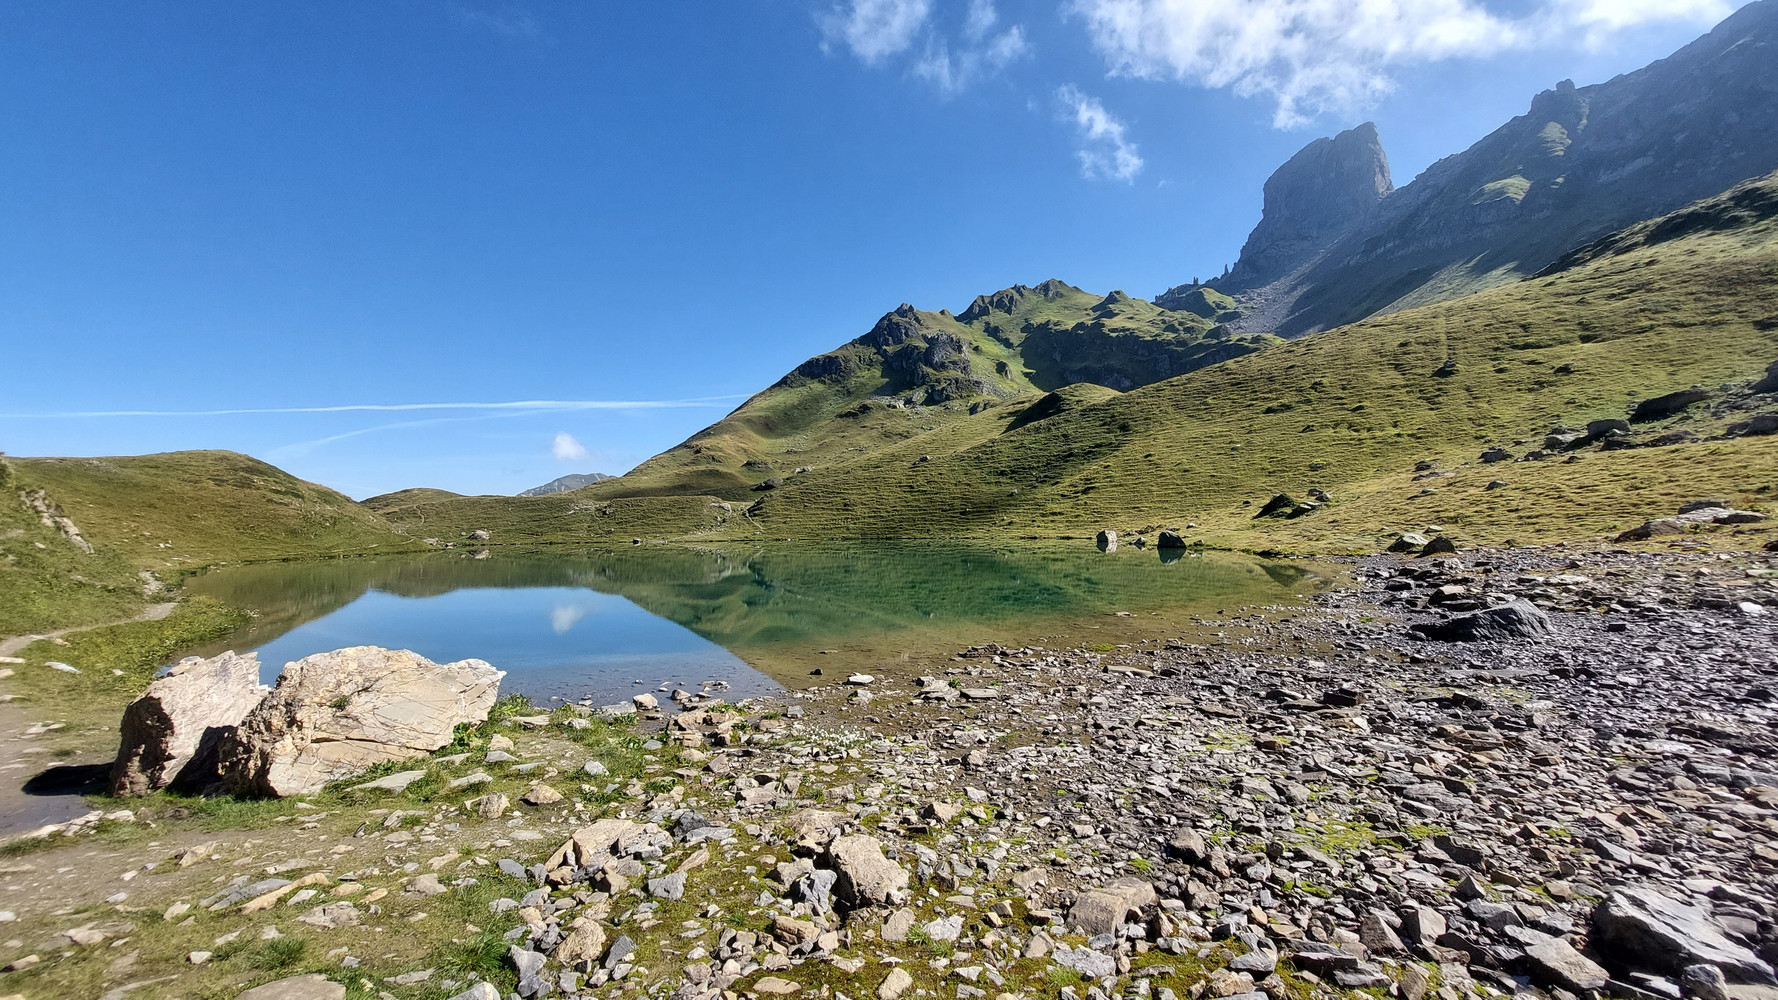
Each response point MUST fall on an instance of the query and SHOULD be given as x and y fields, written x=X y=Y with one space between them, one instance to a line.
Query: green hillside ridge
x=161 y=515
x=917 y=370
x=1353 y=410
x=385 y=502
x=1350 y=411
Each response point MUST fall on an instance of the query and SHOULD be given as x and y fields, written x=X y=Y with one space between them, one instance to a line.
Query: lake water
x=605 y=624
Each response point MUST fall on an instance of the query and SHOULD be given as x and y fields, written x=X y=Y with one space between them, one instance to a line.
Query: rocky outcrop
x=335 y=714
x=1647 y=929
x=1317 y=196
x=1699 y=514
x=169 y=737
x=1515 y=619
x=1581 y=163
x=566 y=484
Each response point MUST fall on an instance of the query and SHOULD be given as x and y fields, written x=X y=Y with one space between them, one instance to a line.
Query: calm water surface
x=606 y=624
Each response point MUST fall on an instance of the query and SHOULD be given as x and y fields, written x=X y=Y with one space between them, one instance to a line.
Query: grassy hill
x=1691 y=301
x=159 y=515
x=917 y=371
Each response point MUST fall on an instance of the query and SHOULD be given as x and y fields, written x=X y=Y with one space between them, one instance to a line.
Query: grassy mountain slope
x=916 y=371
x=385 y=502
x=161 y=514
x=1351 y=411
x=1580 y=163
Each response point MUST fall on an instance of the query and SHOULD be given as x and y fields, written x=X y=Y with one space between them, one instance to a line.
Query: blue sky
x=639 y=213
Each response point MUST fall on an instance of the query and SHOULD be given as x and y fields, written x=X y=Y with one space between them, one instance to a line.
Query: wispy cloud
x=566 y=448
x=876 y=30
x=1334 y=56
x=1105 y=153
x=508 y=19
x=954 y=73
x=523 y=405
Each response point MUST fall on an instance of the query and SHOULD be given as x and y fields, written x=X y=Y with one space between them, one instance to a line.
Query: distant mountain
x=567 y=483
x=916 y=371
x=1336 y=243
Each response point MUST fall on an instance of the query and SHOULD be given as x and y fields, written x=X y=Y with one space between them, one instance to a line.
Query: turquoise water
x=606 y=624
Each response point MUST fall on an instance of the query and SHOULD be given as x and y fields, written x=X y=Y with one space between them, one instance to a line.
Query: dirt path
x=22 y=757
x=153 y=613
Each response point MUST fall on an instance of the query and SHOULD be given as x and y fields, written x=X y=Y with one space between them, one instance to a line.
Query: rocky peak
x=897 y=326
x=1318 y=195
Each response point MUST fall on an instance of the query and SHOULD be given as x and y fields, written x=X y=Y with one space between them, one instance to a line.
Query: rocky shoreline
x=1290 y=802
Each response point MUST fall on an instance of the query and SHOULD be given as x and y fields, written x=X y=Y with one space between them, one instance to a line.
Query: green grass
x=1676 y=302
x=115 y=662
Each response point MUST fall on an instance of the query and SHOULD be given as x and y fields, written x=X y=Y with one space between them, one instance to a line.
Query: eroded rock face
x=335 y=714
x=1319 y=194
x=169 y=737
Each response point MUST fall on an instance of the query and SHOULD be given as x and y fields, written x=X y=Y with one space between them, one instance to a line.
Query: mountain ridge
x=1581 y=163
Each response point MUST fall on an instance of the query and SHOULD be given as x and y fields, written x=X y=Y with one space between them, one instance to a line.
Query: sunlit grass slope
x=918 y=371
x=1688 y=300
x=157 y=513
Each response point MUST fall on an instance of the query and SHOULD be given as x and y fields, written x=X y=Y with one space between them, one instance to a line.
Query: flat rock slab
x=396 y=782
x=309 y=987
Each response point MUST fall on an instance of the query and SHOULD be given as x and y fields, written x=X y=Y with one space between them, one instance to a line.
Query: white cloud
x=1104 y=151
x=980 y=20
x=874 y=29
x=952 y=74
x=1597 y=20
x=566 y=449
x=1316 y=56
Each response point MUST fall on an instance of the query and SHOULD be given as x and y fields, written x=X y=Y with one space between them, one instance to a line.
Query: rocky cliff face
x=1581 y=163
x=1317 y=196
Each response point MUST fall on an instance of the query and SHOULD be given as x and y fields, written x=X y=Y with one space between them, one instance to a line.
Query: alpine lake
x=599 y=625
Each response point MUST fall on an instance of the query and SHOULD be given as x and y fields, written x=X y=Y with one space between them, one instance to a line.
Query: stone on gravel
x=169 y=737
x=1086 y=961
x=1648 y=929
x=529 y=965
x=668 y=887
x=1099 y=911
x=309 y=987
x=396 y=782
x=480 y=991
x=1554 y=962
x=1516 y=619
x=867 y=878
x=335 y=714
x=894 y=984
x=581 y=949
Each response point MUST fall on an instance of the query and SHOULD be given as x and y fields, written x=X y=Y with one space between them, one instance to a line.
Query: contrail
x=538 y=405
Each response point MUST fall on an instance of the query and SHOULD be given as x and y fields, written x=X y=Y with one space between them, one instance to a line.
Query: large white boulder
x=334 y=714
x=170 y=735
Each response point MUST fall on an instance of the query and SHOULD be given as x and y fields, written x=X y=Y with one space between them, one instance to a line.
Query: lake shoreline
x=1316 y=774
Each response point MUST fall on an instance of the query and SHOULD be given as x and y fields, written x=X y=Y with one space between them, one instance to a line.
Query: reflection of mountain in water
x=774 y=596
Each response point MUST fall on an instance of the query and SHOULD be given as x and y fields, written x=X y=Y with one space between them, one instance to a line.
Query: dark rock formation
x=1582 y=162
x=1317 y=196
x=1516 y=619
